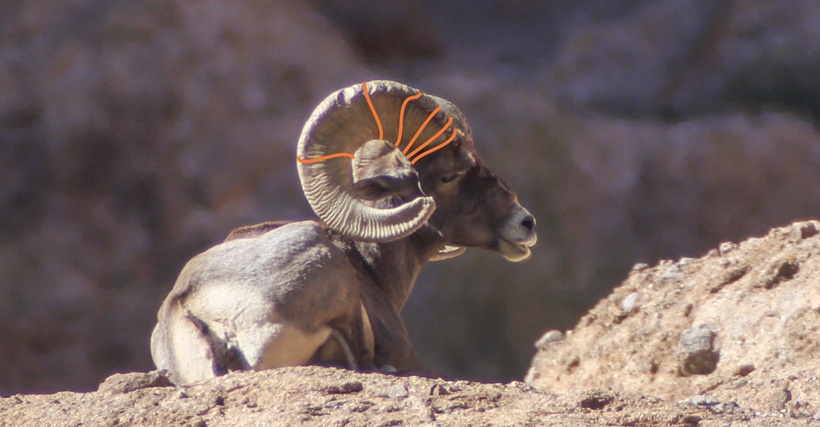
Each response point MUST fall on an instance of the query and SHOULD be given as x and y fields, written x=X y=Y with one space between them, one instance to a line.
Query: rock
x=344 y=388
x=685 y=261
x=125 y=383
x=778 y=399
x=548 y=338
x=698 y=352
x=687 y=420
x=783 y=268
x=630 y=302
x=701 y=399
x=714 y=405
x=727 y=247
x=804 y=230
x=640 y=266
x=397 y=391
x=596 y=399
x=744 y=370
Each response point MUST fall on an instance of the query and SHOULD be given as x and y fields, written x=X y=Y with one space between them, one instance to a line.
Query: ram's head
x=379 y=160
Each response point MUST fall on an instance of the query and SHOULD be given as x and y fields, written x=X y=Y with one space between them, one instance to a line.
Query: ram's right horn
x=370 y=197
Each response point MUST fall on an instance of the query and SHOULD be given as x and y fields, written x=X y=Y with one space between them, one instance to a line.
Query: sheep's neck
x=394 y=266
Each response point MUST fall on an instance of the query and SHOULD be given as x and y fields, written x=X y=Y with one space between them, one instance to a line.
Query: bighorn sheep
x=330 y=291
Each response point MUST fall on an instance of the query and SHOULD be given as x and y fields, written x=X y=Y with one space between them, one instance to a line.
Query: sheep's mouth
x=514 y=251
x=448 y=251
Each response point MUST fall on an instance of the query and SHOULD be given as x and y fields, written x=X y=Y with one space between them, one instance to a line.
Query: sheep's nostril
x=528 y=222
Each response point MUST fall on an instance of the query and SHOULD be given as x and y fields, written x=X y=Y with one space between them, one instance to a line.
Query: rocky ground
x=730 y=338
x=314 y=396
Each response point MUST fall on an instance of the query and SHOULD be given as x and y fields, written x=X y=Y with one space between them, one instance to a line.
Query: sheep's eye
x=446 y=179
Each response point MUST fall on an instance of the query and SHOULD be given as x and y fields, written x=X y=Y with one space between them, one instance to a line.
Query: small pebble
x=596 y=399
x=344 y=388
x=744 y=370
x=727 y=247
x=714 y=405
x=783 y=269
x=700 y=400
x=128 y=382
x=630 y=302
x=640 y=266
x=804 y=230
x=778 y=398
x=397 y=391
x=548 y=338
x=686 y=261
x=672 y=273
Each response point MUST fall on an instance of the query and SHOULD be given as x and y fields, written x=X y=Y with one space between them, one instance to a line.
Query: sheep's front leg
x=393 y=351
x=350 y=344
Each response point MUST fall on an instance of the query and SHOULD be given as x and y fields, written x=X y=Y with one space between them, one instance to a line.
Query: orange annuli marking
x=319 y=159
x=449 y=122
x=401 y=115
x=370 y=103
x=430 y=117
x=398 y=140
x=435 y=148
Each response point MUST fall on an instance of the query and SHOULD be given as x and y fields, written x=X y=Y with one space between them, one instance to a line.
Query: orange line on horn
x=319 y=159
x=401 y=115
x=434 y=149
x=438 y=134
x=430 y=117
x=370 y=103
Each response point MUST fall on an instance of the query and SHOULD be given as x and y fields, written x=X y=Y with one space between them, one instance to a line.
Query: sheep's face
x=474 y=208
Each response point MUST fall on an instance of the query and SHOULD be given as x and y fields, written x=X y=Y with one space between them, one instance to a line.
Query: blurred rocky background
x=135 y=134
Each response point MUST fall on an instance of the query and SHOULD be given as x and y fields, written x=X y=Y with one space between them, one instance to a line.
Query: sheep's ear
x=381 y=170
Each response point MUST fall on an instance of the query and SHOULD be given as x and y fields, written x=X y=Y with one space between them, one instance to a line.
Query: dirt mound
x=326 y=396
x=739 y=326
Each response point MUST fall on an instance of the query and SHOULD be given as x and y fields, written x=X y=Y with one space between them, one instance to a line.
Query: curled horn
x=342 y=124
